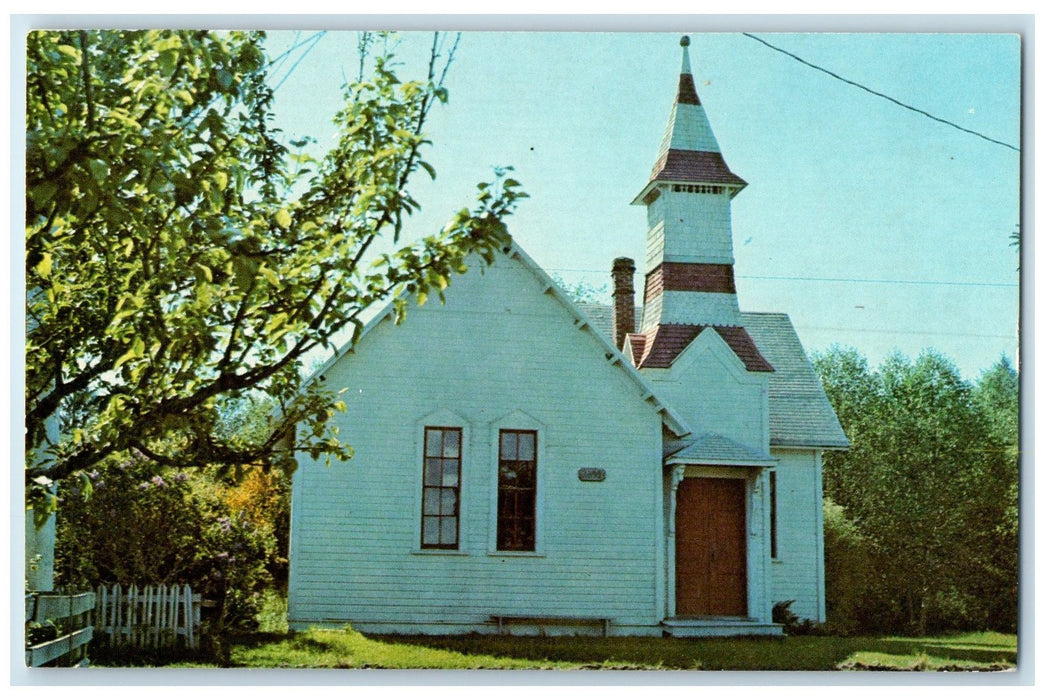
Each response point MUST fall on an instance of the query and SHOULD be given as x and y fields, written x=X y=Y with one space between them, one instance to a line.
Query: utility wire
x=879 y=94
x=891 y=331
x=943 y=283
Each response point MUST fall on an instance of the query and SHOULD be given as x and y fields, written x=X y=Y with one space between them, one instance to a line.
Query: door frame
x=756 y=514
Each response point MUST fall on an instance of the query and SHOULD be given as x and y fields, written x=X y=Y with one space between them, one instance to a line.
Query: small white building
x=526 y=464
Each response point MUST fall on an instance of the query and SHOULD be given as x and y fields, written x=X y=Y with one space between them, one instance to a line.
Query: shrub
x=793 y=625
x=847 y=569
x=264 y=495
x=140 y=527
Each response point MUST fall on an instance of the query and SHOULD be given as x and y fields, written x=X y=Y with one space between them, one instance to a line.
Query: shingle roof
x=601 y=315
x=799 y=411
x=637 y=341
x=717 y=450
x=694 y=166
x=666 y=341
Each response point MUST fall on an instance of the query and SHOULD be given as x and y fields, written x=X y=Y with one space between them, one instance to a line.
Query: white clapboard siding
x=709 y=385
x=151 y=617
x=501 y=353
x=798 y=571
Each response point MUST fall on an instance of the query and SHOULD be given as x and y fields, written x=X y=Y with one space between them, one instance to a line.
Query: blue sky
x=871 y=225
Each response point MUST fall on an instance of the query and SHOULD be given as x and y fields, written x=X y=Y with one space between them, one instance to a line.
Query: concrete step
x=720 y=627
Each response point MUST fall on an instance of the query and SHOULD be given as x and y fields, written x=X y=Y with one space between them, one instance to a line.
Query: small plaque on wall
x=591 y=474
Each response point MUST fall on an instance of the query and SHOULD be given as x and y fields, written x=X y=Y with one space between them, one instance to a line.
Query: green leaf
x=136 y=350
x=43 y=193
x=275 y=323
x=269 y=275
x=99 y=169
x=43 y=268
x=70 y=51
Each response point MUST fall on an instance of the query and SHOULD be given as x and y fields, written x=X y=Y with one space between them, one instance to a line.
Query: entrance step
x=720 y=627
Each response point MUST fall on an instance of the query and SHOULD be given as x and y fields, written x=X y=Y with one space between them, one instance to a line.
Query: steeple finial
x=687 y=94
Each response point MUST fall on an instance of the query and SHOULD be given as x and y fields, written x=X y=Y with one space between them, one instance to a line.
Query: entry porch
x=718 y=540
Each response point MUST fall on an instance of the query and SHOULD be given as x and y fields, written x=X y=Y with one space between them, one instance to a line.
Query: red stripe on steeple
x=687 y=91
x=690 y=277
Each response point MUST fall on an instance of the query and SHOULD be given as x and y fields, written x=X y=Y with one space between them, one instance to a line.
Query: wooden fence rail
x=70 y=614
x=150 y=617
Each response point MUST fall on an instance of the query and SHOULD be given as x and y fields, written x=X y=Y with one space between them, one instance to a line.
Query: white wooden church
x=521 y=468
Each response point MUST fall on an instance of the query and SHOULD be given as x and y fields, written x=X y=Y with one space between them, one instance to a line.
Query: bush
x=793 y=625
x=847 y=569
x=264 y=495
x=124 y=523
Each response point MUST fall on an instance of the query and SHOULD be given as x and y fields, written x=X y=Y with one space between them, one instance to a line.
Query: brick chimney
x=623 y=299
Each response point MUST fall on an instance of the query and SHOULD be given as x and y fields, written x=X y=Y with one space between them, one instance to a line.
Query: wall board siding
x=797 y=572
x=713 y=392
x=500 y=351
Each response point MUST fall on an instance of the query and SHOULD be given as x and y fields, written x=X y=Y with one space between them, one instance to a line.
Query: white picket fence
x=150 y=617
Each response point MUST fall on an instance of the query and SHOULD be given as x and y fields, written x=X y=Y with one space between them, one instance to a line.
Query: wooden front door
x=711 y=547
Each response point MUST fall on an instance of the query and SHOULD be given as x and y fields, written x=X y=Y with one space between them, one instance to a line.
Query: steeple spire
x=689 y=152
x=689 y=261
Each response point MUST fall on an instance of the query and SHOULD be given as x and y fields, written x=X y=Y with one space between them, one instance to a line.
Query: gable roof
x=581 y=321
x=716 y=450
x=800 y=414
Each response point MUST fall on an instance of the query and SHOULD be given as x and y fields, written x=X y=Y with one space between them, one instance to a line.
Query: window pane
x=433 y=442
x=431 y=502
x=449 y=502
x=430 y=531
x=433 y=471
x=524 y=474
x=450 y=467
x=526 y=446
x=509 y=441
x=449 y=531
x=451 y=443
x=526 y=534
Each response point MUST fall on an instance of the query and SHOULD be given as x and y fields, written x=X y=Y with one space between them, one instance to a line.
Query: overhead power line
x=895 y=331
x=879 y=94
x=931 y=283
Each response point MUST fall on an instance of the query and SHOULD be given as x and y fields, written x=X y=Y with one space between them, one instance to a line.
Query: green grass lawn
x=986 y=651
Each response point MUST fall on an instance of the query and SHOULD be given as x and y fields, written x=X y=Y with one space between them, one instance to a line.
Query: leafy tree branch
x=179 y=258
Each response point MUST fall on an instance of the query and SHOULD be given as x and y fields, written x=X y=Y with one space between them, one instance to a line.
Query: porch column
x=677 y=474
x=759 y=564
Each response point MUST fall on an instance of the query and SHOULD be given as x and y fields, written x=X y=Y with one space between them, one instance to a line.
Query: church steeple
x=689 y=243
x=689 y=152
